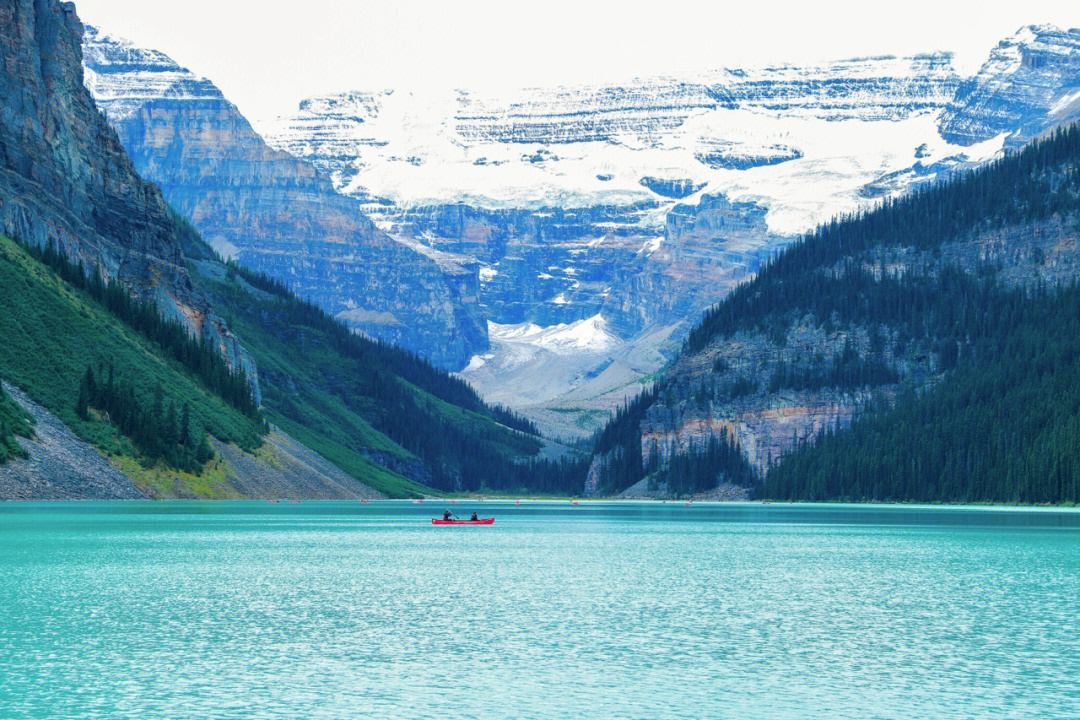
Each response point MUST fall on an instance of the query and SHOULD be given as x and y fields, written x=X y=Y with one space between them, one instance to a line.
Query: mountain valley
x=281 y=300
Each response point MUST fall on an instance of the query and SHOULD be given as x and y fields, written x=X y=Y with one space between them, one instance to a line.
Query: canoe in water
x=483 y=521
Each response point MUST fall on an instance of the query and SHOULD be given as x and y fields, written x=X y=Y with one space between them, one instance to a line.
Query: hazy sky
x=267 y=55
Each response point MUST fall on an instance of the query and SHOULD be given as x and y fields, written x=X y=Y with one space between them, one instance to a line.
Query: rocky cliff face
x=1030 y=83
x=66 y=179
x=278 y=214
x=560 y=265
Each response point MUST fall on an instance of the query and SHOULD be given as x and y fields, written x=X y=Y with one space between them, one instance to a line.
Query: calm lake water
x=344 y=610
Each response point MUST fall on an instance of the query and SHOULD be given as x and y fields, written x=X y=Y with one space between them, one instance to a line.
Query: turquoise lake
x=606 y=610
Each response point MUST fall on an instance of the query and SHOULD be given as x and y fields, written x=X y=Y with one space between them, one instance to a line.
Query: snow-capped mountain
x=581 y=147
x=618 y=213
x=640 y=204
x=1030 y=83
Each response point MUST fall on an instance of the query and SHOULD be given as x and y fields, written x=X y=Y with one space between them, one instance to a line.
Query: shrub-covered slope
x=54 y=333
x=14 y=422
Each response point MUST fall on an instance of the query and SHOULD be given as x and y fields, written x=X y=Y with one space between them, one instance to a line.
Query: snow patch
x=587 y=335
x=1065 y=102
x=651 y=246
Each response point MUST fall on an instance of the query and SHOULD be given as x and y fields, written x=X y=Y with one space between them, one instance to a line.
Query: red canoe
x=484 y=521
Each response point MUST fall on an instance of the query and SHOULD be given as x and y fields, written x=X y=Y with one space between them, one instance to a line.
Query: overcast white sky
x=267 y=55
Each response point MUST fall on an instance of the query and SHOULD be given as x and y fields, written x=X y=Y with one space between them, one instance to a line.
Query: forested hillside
x=372 y=408
x=137 y=385
x=944 y=322
x=1002 y=426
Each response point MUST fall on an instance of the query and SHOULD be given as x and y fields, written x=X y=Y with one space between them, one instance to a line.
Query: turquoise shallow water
x=344 y=610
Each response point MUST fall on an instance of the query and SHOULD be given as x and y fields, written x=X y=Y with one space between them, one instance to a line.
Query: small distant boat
x=364 y=501
x=517 y=502
x=686 y=504
x=482 y=521
x=575 y=502
x=295 y=502
x=273 y=502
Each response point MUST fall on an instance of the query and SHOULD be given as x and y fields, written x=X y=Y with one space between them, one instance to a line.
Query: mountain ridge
x=641 y=202
x=275 y=213
x=67 y=180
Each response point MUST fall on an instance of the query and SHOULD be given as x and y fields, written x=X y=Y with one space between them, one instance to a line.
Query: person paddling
x=474 y=516
x=446 y=514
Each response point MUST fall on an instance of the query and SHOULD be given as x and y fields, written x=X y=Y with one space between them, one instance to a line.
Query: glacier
x=641 y=204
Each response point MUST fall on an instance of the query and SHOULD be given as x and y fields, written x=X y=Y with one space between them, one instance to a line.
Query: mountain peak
x=274 y=212
x=123 y=77
x=1020 y=90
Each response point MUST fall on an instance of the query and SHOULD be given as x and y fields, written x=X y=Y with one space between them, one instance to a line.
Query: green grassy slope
x=52 y=332
x=14 y=422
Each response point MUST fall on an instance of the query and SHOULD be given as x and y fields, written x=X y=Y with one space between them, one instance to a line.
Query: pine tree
x=185 y=425
x=87 y=392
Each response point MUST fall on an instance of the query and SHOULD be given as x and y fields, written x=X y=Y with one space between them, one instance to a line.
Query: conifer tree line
x=1039 y=181
x=618 y=444
x=158 y=428
x=199 y=356
x=701 y=466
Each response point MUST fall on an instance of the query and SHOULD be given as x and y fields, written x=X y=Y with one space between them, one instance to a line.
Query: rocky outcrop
x=275 y=213
x=58 y=465
x=283 y=468
x=1030 y=83
x=677 y=188
x=704 y=250
x=722 y=154
x=65 y=178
